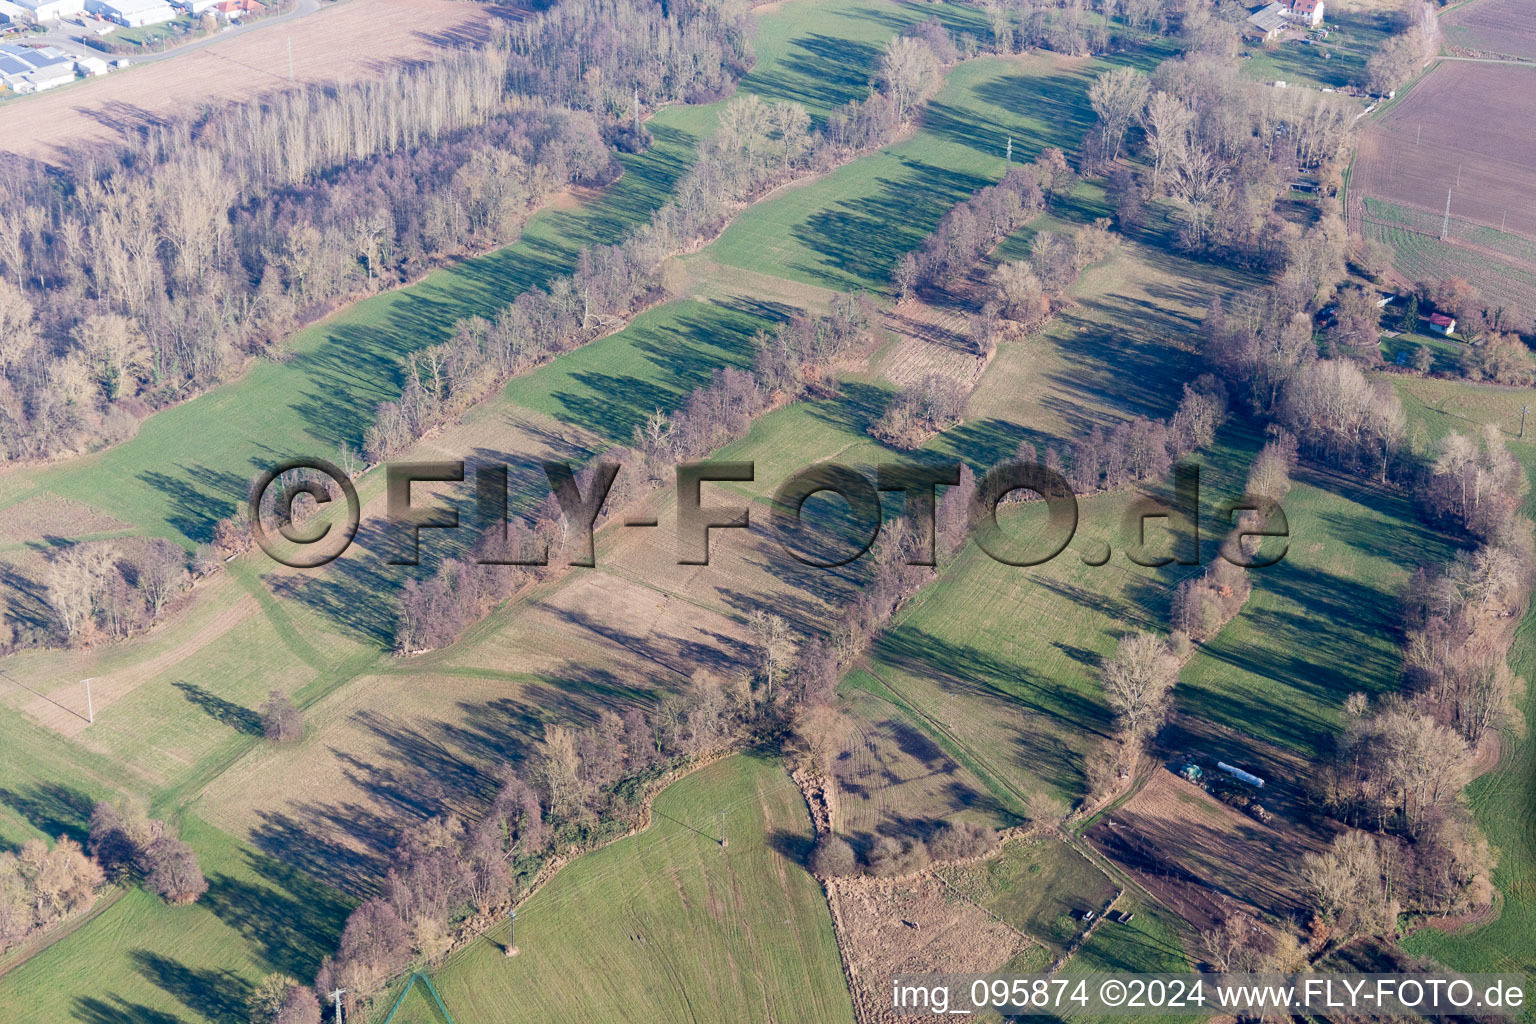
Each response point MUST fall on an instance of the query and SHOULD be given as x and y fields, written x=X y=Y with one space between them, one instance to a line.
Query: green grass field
x=1504 y=800
x=1496 y=262
x=1321 y=624
x=148 y=963
x=1041 y=887
x=667 y=925
x=848 y=229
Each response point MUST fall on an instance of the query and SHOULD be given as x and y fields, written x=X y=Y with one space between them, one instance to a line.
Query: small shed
x=1441 y=324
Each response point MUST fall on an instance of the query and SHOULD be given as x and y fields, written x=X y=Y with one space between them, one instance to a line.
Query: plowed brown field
x=344 y=43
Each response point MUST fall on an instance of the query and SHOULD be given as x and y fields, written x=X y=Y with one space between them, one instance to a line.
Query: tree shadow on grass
x=1059 y=103
x=196 y=508
x=240 y=719
x=859 y=241
x=218 y=995
x=962 y=669
x=116 y=1010
x=822 y=73
x=793 y=846
x=293 y=921
x=52 y=809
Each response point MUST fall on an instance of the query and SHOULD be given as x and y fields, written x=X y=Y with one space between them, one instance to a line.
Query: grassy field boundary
x=952 y=744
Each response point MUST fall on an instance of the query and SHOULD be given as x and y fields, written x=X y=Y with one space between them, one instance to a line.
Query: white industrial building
x=195 y=6
x=13 y=14
x=53 y=10
x=132 y=13
x=26 y=70
x=91 y=66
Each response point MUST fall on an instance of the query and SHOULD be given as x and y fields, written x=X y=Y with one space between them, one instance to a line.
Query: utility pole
x=1445 y=225
x=1458 y=175
x=512 y=933
x=722 y=828
x=1419 y=135
x=90 y=706
x=336 y=999
x=1523 y=410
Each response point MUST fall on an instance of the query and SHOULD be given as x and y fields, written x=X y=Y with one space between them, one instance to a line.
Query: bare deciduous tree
x=1117 y=96
x=1137 y=681
x=909 y=73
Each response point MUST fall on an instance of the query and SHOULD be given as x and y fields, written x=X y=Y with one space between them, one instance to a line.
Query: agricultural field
x=1405 y=156
x=1501 y=264
x=347 y=42
x=667 y=923
x=1404 y=172
x=980 y=703
x=1506 y=27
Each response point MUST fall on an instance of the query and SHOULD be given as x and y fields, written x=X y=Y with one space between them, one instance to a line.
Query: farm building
x=13 y=14
x=1442 y=324
x=132 y=13
x=1267 y=22
x=1308 y=12
x=233 y=9
x=25 y=70
x=52 y=10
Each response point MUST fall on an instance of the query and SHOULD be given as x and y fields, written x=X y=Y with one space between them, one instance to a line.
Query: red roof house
x=1309 y=11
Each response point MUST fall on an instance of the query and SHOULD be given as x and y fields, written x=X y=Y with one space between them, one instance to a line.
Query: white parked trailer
x=1238 y=773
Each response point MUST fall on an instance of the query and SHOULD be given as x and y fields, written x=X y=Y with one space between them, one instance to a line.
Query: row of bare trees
x=1139 y=449
x=142 y=273
x=1405 y=759
x=756 y=146
x=791 y=359
x=94 y=590
x=1404 y=54
x=974 y=226
x=894 y=856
